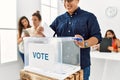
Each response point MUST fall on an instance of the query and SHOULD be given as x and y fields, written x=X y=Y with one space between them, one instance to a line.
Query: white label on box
x=42 y=55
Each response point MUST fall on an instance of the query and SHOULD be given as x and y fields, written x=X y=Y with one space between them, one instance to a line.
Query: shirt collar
x=77 y=11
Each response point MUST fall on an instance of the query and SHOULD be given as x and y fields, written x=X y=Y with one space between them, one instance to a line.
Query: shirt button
x=69 y=22
x=71 y=16
x=68 y=30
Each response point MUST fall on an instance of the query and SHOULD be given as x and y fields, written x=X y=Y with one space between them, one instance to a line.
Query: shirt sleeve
x=54 y=25
x=94 y=28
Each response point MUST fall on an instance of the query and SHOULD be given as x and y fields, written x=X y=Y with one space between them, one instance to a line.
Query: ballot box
x=57 y=58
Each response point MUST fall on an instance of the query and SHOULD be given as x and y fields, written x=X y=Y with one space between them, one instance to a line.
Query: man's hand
x=86 y=43
x=79 y=43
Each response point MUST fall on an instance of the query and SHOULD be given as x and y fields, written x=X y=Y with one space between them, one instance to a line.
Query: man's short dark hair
x=68 y=0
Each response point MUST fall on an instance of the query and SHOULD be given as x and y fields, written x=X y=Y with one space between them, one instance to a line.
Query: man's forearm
x=92 y=41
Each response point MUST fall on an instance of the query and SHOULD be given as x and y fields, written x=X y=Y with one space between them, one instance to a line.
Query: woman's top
x=114 y=45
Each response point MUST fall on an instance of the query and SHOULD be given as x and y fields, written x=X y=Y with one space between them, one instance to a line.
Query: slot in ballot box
x=53 y=57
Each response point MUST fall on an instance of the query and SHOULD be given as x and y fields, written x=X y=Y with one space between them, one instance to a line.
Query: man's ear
x=78 y=1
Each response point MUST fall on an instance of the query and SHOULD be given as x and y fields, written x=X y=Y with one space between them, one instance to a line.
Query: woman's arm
x=19 y=39
x=118 y=45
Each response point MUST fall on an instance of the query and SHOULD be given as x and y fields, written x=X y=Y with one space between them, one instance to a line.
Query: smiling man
x=82 y=24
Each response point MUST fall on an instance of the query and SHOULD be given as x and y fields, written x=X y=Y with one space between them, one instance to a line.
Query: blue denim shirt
x=80 y=22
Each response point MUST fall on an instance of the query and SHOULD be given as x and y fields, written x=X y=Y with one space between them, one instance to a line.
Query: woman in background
x=23 y=24
x=115 y=42
x=37 y=29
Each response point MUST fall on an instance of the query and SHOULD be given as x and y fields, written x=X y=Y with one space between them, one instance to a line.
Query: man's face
x=71 y=5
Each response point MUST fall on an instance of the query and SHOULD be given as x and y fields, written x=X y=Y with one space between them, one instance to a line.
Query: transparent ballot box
x=54 y=57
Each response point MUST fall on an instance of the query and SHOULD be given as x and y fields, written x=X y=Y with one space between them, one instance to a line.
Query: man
x=82 y=24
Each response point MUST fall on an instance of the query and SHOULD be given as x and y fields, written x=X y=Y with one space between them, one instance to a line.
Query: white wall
x=27 y=8
x=61 y=8
x=10 y=71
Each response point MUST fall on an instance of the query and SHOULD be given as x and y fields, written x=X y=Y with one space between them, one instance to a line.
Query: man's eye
x=34 y=20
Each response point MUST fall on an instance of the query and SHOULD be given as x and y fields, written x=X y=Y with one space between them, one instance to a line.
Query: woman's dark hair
x=111 y=31
x=37 y=14
x=20 y=25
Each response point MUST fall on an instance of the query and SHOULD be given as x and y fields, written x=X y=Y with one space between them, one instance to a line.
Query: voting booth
x=53 y=57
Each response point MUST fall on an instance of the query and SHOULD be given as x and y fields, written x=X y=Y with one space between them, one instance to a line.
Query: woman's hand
x=110 y=48
x=79 y=43
x=39 y=32
x=40 y=29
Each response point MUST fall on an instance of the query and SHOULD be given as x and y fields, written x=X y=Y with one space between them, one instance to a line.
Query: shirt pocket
x=61 y=27
x=81 y=28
